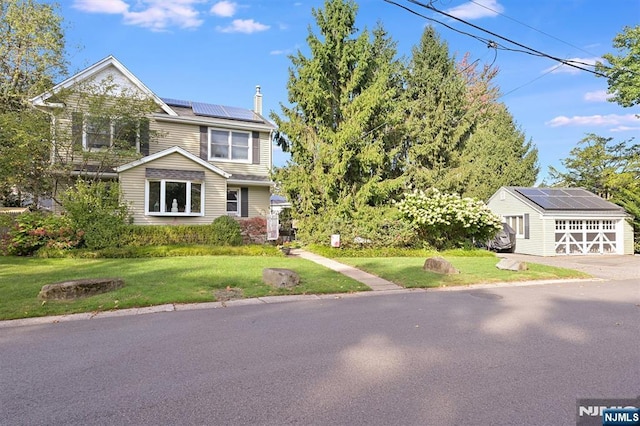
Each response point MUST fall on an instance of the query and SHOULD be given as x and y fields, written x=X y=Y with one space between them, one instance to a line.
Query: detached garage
x=563 y=221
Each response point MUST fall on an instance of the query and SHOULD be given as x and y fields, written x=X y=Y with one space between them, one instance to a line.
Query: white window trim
x=249 y=159
x=238 y=211
x=518 y=217
x=163 y=198
x=85 y=145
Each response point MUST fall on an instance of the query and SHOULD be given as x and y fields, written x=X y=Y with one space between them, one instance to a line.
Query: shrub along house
x=205 y=160
x=563 y=221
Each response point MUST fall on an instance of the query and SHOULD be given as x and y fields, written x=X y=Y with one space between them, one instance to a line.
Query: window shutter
x=144 y=136
x=255 y=136
x=526 y=226
x=244 y=202
x=76 y=130
x=204 y=143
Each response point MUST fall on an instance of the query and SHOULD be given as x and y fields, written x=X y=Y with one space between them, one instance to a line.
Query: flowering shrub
x=447 y=220
x=32 y=231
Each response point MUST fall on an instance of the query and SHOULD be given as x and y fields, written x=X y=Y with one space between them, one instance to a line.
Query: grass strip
x=154 y=281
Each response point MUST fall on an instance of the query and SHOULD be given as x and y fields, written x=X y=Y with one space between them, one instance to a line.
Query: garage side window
x=517 y=223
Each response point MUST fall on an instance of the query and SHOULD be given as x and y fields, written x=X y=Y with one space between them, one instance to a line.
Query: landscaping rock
x=280 y=277
x=512 y=265
x=76 y=289
x=439 y=265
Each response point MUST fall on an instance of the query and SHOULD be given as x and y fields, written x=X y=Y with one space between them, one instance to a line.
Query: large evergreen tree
x=497 y=153
x=340 y=127
x=438 y=118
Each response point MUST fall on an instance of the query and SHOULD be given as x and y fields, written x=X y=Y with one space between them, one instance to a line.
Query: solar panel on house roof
x=240 y=113
x=566 y=199
x=209 y=110
x=176 y=102
x=220 y=111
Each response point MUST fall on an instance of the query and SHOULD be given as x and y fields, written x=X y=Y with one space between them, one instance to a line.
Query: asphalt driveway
x=614 y=267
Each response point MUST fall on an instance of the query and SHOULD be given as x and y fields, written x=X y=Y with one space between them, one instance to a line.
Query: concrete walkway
x=372 y=281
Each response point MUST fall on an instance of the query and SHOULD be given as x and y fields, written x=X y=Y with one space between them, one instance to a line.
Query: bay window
x=174 y=198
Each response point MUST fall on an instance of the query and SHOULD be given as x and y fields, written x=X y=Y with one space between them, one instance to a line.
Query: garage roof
x=567 y=199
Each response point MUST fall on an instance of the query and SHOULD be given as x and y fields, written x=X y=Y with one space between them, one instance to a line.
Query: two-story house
x=208 y=160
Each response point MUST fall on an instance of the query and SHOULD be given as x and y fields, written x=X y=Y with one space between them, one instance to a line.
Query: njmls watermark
x=608 y=412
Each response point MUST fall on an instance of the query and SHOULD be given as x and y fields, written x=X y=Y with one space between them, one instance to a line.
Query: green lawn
x=407 y=271
x=153 y=281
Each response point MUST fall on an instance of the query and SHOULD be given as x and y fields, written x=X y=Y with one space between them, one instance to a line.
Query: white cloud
x=101 y=6
x=597 y=96
x=224 y=8
x=566 y=69
x=594 y=120
x=477 y=9
x=625 y=129
x=246 y=26
x=157 y=15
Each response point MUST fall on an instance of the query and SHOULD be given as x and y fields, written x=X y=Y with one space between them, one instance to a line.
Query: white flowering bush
x=448 y=220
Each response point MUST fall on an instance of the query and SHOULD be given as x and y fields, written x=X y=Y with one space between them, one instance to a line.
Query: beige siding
x=536 y=244
x=259 y=201
x=132 y=182
x=262 y=169
x=628 y=237
x=186 y=136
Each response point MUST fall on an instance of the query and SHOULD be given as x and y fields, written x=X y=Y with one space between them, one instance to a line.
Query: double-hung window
x=100 y=133
x=167 y=197
x=230 y=145
x=233 y=202
x=517 y=223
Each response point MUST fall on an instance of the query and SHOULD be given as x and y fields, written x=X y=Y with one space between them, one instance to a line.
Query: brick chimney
x=257 y=101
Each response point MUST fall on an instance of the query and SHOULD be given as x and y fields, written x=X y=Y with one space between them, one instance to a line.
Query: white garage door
x=581 y=236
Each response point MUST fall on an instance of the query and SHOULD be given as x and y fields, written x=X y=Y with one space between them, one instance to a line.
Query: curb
x=269 y=300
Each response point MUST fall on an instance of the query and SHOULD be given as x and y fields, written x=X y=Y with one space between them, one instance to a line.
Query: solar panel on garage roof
x=176 y=102
x=566 y=199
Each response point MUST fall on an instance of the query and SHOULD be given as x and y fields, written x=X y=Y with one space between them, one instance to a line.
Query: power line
x=529 y=82
x=527 y=50
x=530 y=27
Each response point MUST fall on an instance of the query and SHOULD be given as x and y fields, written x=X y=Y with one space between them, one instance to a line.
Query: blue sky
x=218 y=51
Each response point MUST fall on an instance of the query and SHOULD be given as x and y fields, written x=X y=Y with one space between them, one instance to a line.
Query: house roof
x=202 y=109
x=169 y=151
x=564 y=200
x=240 y=179
x=95 y=69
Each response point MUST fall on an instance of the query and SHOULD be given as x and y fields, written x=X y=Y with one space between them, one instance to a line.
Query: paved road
x=613 y=267
x=505 y=356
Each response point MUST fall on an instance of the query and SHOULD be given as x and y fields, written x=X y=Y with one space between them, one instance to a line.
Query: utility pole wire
x=530 y=27
x=528 y=49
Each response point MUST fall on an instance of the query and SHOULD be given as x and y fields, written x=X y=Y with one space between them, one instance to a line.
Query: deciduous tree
x=623 y=70
x=32 y=57
x=600 y=166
